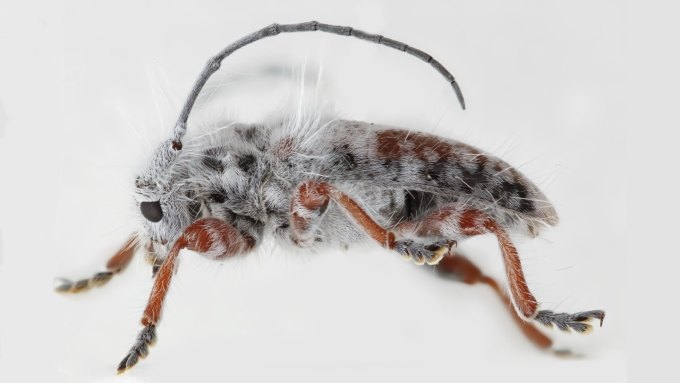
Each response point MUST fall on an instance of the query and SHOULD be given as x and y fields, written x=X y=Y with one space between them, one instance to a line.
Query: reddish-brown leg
x=310 y=202
x=447 y=225
x=115 y=265
x=455 y=221
x=210 y=237
x=458 y=222
x=468 y=273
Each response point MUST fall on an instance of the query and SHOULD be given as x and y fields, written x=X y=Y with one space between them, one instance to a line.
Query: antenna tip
x=459 y=94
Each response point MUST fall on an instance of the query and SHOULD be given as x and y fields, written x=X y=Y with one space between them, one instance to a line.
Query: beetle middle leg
x=210 y=237
x=310 y=202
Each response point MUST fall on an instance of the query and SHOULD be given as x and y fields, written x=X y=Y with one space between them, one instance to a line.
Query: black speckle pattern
x=213 y=163
x=211 y=159
x=433 y=172
x=246 y=162
x=513 y=194
x=345 y=158
x=473 y=178
x=248 y=133
x=217 y=197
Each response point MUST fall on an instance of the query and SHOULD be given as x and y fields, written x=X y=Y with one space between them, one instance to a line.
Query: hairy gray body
x=246 y=175
x=314 y=182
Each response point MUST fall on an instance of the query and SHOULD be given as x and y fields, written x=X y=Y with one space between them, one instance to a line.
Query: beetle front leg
x=210 y=237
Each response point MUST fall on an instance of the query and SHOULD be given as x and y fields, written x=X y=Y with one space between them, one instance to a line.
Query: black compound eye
x=152 y=210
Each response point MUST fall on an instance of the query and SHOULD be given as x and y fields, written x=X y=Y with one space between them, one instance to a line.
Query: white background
x=87 y=90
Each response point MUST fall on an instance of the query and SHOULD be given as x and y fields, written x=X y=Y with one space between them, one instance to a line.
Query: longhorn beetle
x=218 y=195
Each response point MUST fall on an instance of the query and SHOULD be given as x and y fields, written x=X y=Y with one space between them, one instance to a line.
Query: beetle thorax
x=218 y=175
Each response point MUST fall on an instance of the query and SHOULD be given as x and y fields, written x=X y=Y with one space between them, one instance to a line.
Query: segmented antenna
x=273 y=30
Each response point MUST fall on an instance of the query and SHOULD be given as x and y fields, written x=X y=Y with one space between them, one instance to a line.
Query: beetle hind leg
x=564 y=321
x=445 y=225
x=458 y=221
x=467 y=272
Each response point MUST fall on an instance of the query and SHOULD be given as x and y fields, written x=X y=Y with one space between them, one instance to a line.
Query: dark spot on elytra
x=391 y=164
x=392 y=167
x=526 y=206
x=473 y=178
x=246 y=162
x=433 y=172
x=345 y=158
x=514 y=195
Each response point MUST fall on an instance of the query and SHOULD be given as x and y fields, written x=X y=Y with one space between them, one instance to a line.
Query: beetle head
x=162 y=197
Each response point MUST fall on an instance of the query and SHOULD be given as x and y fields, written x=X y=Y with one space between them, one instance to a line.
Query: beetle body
x=247 y=176
x=314 y=182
